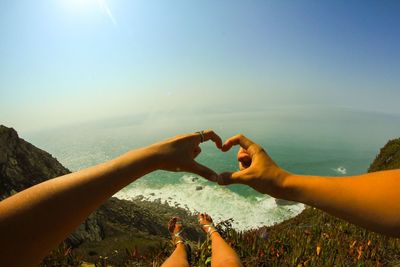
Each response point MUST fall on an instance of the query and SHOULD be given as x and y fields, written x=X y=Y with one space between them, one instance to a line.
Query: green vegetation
x=388 y=158
x=62 y=256
x=313 y=238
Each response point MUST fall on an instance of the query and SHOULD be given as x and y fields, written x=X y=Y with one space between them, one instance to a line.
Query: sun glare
x=89 y=6
x=80 y=5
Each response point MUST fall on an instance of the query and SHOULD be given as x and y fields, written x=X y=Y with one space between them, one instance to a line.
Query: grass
x=313 y=238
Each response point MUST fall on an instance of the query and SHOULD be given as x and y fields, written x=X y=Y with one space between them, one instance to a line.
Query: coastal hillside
x=388 y=157
x=134 y=233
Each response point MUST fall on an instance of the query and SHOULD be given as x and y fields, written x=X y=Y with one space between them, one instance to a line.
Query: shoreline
x=195 y=196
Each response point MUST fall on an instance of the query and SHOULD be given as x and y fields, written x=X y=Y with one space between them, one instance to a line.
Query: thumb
x=204 y=171
x=227 y=178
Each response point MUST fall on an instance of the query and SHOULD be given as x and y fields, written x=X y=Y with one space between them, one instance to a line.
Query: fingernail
x=214 y=178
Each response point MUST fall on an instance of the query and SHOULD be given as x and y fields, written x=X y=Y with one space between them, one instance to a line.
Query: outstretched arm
x=369 y=200
x=36 y=220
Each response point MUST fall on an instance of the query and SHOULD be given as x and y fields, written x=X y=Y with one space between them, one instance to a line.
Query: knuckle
x=256 y=149
x=239 y=137
x=222 y=180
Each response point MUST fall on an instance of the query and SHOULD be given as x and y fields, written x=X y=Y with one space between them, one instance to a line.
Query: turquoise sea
x=307 y=140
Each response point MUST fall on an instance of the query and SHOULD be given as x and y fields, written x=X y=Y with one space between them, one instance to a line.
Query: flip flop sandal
x=177 y=238
x=208 y=228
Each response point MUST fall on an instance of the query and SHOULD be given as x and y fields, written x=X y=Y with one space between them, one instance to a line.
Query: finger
x=244 y=159
x=211 y=135
x=204 y=171
x=227 y=178
x=239 y=139
x=241 y=151
x=241 y=166
x=243 y=156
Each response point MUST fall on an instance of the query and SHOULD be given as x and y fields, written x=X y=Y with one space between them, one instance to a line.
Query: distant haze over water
x=321 y=141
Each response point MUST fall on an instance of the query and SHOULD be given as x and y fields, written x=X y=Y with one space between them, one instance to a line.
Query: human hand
x=178 y=153
x=257 y=169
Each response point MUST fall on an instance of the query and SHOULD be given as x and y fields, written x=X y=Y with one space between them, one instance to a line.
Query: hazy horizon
x=70 y=61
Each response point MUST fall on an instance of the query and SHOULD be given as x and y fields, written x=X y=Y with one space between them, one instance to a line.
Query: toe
x=178 y=225
x=171 y=224
x=200 y=217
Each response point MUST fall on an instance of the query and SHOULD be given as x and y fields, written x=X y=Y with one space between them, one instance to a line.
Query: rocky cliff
x=22 y=164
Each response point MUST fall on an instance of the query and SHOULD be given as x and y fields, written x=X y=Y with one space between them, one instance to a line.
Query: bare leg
x=222 y=254
x=179 y=257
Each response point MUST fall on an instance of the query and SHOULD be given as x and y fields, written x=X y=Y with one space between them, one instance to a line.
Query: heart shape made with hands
x=256 y=168
x=247 y=150
x=245 y=155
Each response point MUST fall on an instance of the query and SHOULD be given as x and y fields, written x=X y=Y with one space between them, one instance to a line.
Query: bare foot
x=175 y=227
x=206 y=223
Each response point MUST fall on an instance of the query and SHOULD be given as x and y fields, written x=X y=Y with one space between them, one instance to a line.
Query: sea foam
x=340 y=170
x=197 y=195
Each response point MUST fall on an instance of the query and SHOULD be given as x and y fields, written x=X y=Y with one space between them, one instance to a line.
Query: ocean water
x=314 y=141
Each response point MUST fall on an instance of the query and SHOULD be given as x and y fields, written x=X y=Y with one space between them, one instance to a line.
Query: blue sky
x=62 y=61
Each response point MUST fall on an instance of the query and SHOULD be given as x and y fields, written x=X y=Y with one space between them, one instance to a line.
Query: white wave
x=220 y=202
x=340 y=170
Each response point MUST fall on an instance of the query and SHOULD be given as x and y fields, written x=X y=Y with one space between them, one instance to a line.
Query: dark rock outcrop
x=23 y=165
x=90 y=230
